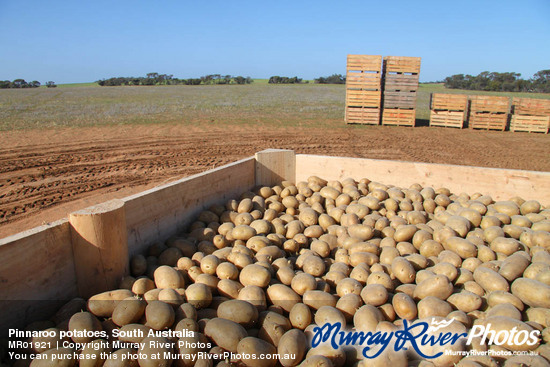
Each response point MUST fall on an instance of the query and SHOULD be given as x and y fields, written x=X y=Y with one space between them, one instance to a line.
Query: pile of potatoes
x=257 y=274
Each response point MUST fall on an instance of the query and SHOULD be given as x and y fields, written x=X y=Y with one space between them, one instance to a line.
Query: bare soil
x=46 y=174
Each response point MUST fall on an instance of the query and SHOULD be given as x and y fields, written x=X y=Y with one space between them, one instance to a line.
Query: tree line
x=501 y=82
x=21 y=83
x=332 y=79
x=166 y=79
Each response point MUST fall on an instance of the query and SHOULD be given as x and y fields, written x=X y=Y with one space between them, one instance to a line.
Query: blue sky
x=81 y=41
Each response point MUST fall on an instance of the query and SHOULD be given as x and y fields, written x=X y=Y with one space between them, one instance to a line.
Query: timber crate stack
x=363 y=89
x=400 y=77
x=531 y=115
x=488 y=112
x=448 y=110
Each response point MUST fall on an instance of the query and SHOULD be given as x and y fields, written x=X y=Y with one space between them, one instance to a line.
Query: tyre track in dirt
x=72 y=164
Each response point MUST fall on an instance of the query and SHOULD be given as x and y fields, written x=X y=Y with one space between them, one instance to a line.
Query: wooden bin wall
x=400 y=80
x=448 y=110
x=46 y=255
x=489 y=112
x=530 y=115
x=398 y=116
x=363 y=89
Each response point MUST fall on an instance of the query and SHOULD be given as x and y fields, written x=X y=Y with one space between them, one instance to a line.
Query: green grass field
x=260 y=103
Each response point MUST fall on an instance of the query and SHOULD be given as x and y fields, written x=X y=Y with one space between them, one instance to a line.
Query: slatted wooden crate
x=449 y=102
x=46 y=253
x=531 y=124
x=489 y=112
x=448 y=110
x=530 y=115
x=363 y=89
x=402 y=64
x=405 y=100
x=398 y=116
x=363 y=98
x=363 y=115
x=364 y=72
x=531 y=106
x=401 y=82
x=447 y=118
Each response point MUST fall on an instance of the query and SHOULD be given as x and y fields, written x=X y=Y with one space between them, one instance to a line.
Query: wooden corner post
x=274 y=166
x=100 y=247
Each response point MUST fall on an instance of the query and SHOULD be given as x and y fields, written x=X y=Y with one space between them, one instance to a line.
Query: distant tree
x=51 y=84
x=333 y=79
x=19 y=83
x=541 y=81
x=4 y=84
x=284 y=80
x=34 y=84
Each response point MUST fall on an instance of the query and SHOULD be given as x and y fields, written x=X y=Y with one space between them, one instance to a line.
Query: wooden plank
x=359 y=115
x=274 y=166
x=100 y=247
x=490 y=104
x=451 y=102
x=532 y=124
x=37 y=274
x=363 y=98
x=447 y=118
x=363 y=80
x=531 y=106
x=399 y=117
x=501 y=184
x=401 y=82
x=406 y=100
x=401 y=64
x=488 y=120
x=156 y=214
x=364 y=62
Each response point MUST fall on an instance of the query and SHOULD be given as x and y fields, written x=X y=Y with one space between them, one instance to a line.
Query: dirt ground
x=46 y=174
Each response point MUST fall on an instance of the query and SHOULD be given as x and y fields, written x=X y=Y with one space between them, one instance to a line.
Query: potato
x=532 y=292
x=465 y=301
x=404 y=233
x=433 y=306
x=490 y=280
x=348 y=285
x=447 y=269
x=374 y=294
x=241 y=312
x=282 y=296
x=225 y=333
x=403 y=270
x=506 y=246
x=367 y=318
x=168 y=277
x=254 y=295
x=404 y=306
x=314 y=265
x=273 y=327
x=513 y=267
x=129 y=311
x=303 y=282
x=83 y=321
x=199 y=295
x=316 y=299
x=254 y=351
x=459 y=224
x=460 y=246
x=300 y=316
x=255 y=274
x=437 y=286
x=504 y=309
x=293 y=345
x=159 y=315
x=103 y=304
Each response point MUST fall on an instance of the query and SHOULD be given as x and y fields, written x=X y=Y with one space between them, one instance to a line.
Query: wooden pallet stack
x=448 y=110
x=530 y=114
x=363 y=89
x=489 y=112
x=400 y=77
